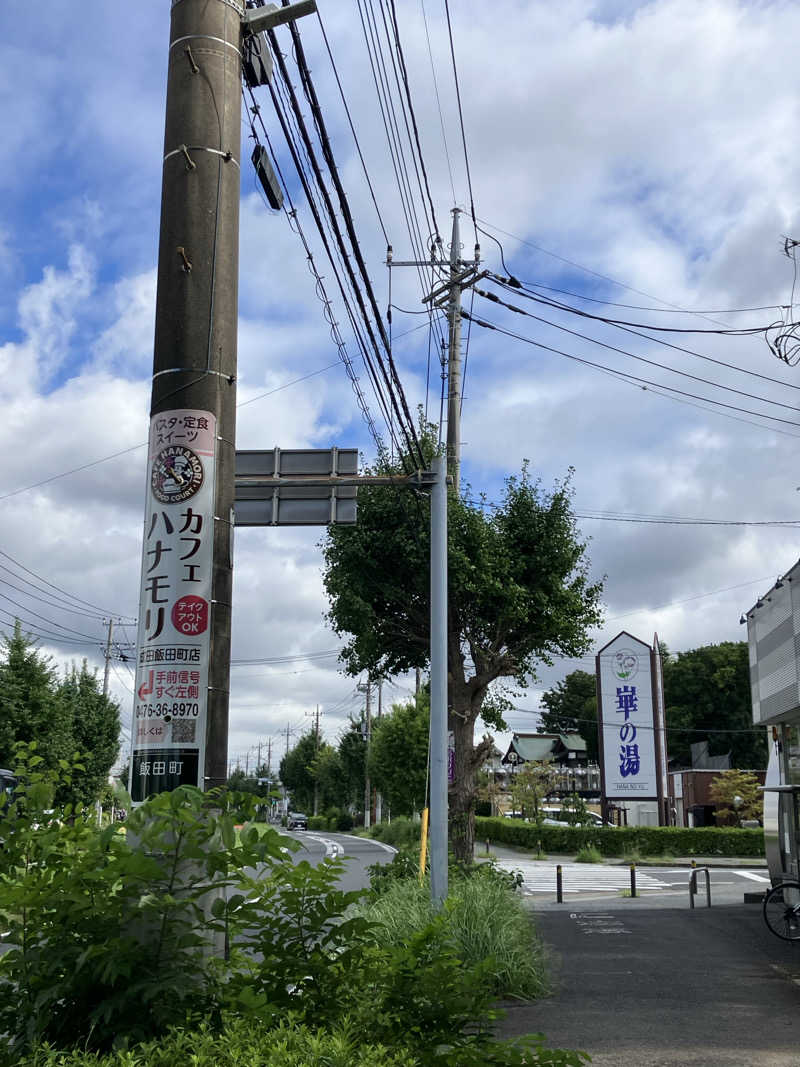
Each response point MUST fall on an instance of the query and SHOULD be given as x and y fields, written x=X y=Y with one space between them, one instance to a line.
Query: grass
x=483 y=917
x=589 y=854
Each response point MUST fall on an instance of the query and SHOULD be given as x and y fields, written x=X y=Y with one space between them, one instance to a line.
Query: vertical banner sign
x=172 y=658
x=627 y=720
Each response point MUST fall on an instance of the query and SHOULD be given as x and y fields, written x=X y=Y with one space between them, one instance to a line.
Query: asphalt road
x=661 y=987
x=359 y=853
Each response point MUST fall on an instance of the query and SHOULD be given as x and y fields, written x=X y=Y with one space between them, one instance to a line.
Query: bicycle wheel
x=782 y=910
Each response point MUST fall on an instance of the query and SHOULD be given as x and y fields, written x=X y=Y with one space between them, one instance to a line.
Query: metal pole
x=633 y=879
x=367 y=783
x=108 y=658
x=438 y=802
x=186 y=599
x=454 y=360
x=559 y=884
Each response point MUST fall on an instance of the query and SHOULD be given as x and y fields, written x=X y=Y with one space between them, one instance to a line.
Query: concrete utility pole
x=107 y=657
x=368 y=735
x=197 y=298
x=180 y=729
x=316 y=754
x=438 y=730
x=454 y=358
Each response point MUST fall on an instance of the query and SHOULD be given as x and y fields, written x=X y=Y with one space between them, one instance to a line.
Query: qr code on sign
x=184 y=731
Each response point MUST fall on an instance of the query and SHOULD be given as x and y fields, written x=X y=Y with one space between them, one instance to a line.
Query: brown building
x=690 y=796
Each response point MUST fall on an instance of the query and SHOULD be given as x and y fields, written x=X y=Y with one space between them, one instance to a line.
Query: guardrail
x=693 y=885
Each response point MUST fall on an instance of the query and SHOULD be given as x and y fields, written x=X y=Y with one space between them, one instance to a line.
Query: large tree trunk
x=463 y=789
x=461 y=793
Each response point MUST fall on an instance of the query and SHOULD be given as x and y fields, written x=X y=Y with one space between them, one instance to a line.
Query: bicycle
x=782 y=910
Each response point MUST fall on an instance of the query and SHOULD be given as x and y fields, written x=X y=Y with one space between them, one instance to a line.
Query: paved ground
x=660 y=987
x=665 y=886
x=359 y=853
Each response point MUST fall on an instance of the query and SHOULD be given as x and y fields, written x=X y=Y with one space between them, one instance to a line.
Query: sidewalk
x=641 y=987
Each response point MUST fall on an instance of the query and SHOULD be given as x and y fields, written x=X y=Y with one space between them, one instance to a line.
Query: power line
x=624 y=352
x=646 y=382
x=461 y=118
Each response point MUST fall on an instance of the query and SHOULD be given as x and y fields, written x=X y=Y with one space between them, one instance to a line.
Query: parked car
x=297 y=821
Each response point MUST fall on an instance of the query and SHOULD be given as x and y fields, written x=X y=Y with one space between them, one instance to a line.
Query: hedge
x=619 y=840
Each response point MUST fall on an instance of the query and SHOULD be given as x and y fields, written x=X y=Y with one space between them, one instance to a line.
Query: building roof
x=532 y=748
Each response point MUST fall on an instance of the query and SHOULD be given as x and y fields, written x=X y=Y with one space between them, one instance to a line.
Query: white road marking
x=750 y=874
x=580 y=877
x=378 y=844
x=332 y=848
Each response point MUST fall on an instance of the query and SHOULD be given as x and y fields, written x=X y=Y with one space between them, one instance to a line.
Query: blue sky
x=636 y=153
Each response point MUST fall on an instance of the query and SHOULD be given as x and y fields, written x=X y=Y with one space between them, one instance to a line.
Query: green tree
x=574 y=810
x=94 y=722
x=295 y=772
x=352 y=757
x=707 y=697
x=31 y=709
x=530 y=785
x=738 y=796
x=398 y=755
x=329 y=778
x=519 y=594
x=572 y=708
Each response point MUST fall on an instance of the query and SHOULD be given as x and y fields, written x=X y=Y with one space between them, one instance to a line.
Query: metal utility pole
x=438 y=788
x=107 y=657
x=454 y=358
x=316 y=754
x=368 y=735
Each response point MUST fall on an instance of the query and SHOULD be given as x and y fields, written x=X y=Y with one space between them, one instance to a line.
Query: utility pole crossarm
x=267 y=18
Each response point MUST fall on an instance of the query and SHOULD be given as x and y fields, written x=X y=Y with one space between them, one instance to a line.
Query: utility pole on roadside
x=107 y=657
x=454 y=359
x=367 y=735
x=316 y=755
x=187 y=557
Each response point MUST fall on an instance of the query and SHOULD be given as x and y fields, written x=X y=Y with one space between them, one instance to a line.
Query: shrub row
x=619 y=840
x=332 y=821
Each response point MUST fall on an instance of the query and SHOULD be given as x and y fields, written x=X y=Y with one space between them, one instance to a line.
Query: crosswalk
x=540 y=877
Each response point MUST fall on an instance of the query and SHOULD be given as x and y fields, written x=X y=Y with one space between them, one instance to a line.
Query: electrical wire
x=624 y=352
x=395 y=394
x=461 y=119
x=438 y=100
x=645 y=382
x=352 y=128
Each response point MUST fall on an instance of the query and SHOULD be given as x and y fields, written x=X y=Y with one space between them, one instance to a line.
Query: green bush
x=483 y=921
x=617 y=840
x=118 y=947
x=318 y=822
x=292 y=1044
x=400 y=832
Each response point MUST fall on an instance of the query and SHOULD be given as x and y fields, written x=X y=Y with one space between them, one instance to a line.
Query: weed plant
x=589 y=854
x=483 y=920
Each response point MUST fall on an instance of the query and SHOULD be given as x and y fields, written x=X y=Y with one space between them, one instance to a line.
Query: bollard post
x=633 y=879
x=693 y=881
x=559 y=886
x=487 y=846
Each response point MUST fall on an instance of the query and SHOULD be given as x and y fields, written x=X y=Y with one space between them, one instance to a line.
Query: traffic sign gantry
x=296 y=487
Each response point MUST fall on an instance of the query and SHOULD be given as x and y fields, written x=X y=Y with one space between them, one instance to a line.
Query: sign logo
x=190 y=615
x=625 y=664
x=176 y=475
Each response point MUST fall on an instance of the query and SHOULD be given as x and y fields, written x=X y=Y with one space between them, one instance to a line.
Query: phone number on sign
x=176 y=710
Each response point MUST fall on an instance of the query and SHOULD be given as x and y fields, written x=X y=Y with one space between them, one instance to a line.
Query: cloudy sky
x=635 y=161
